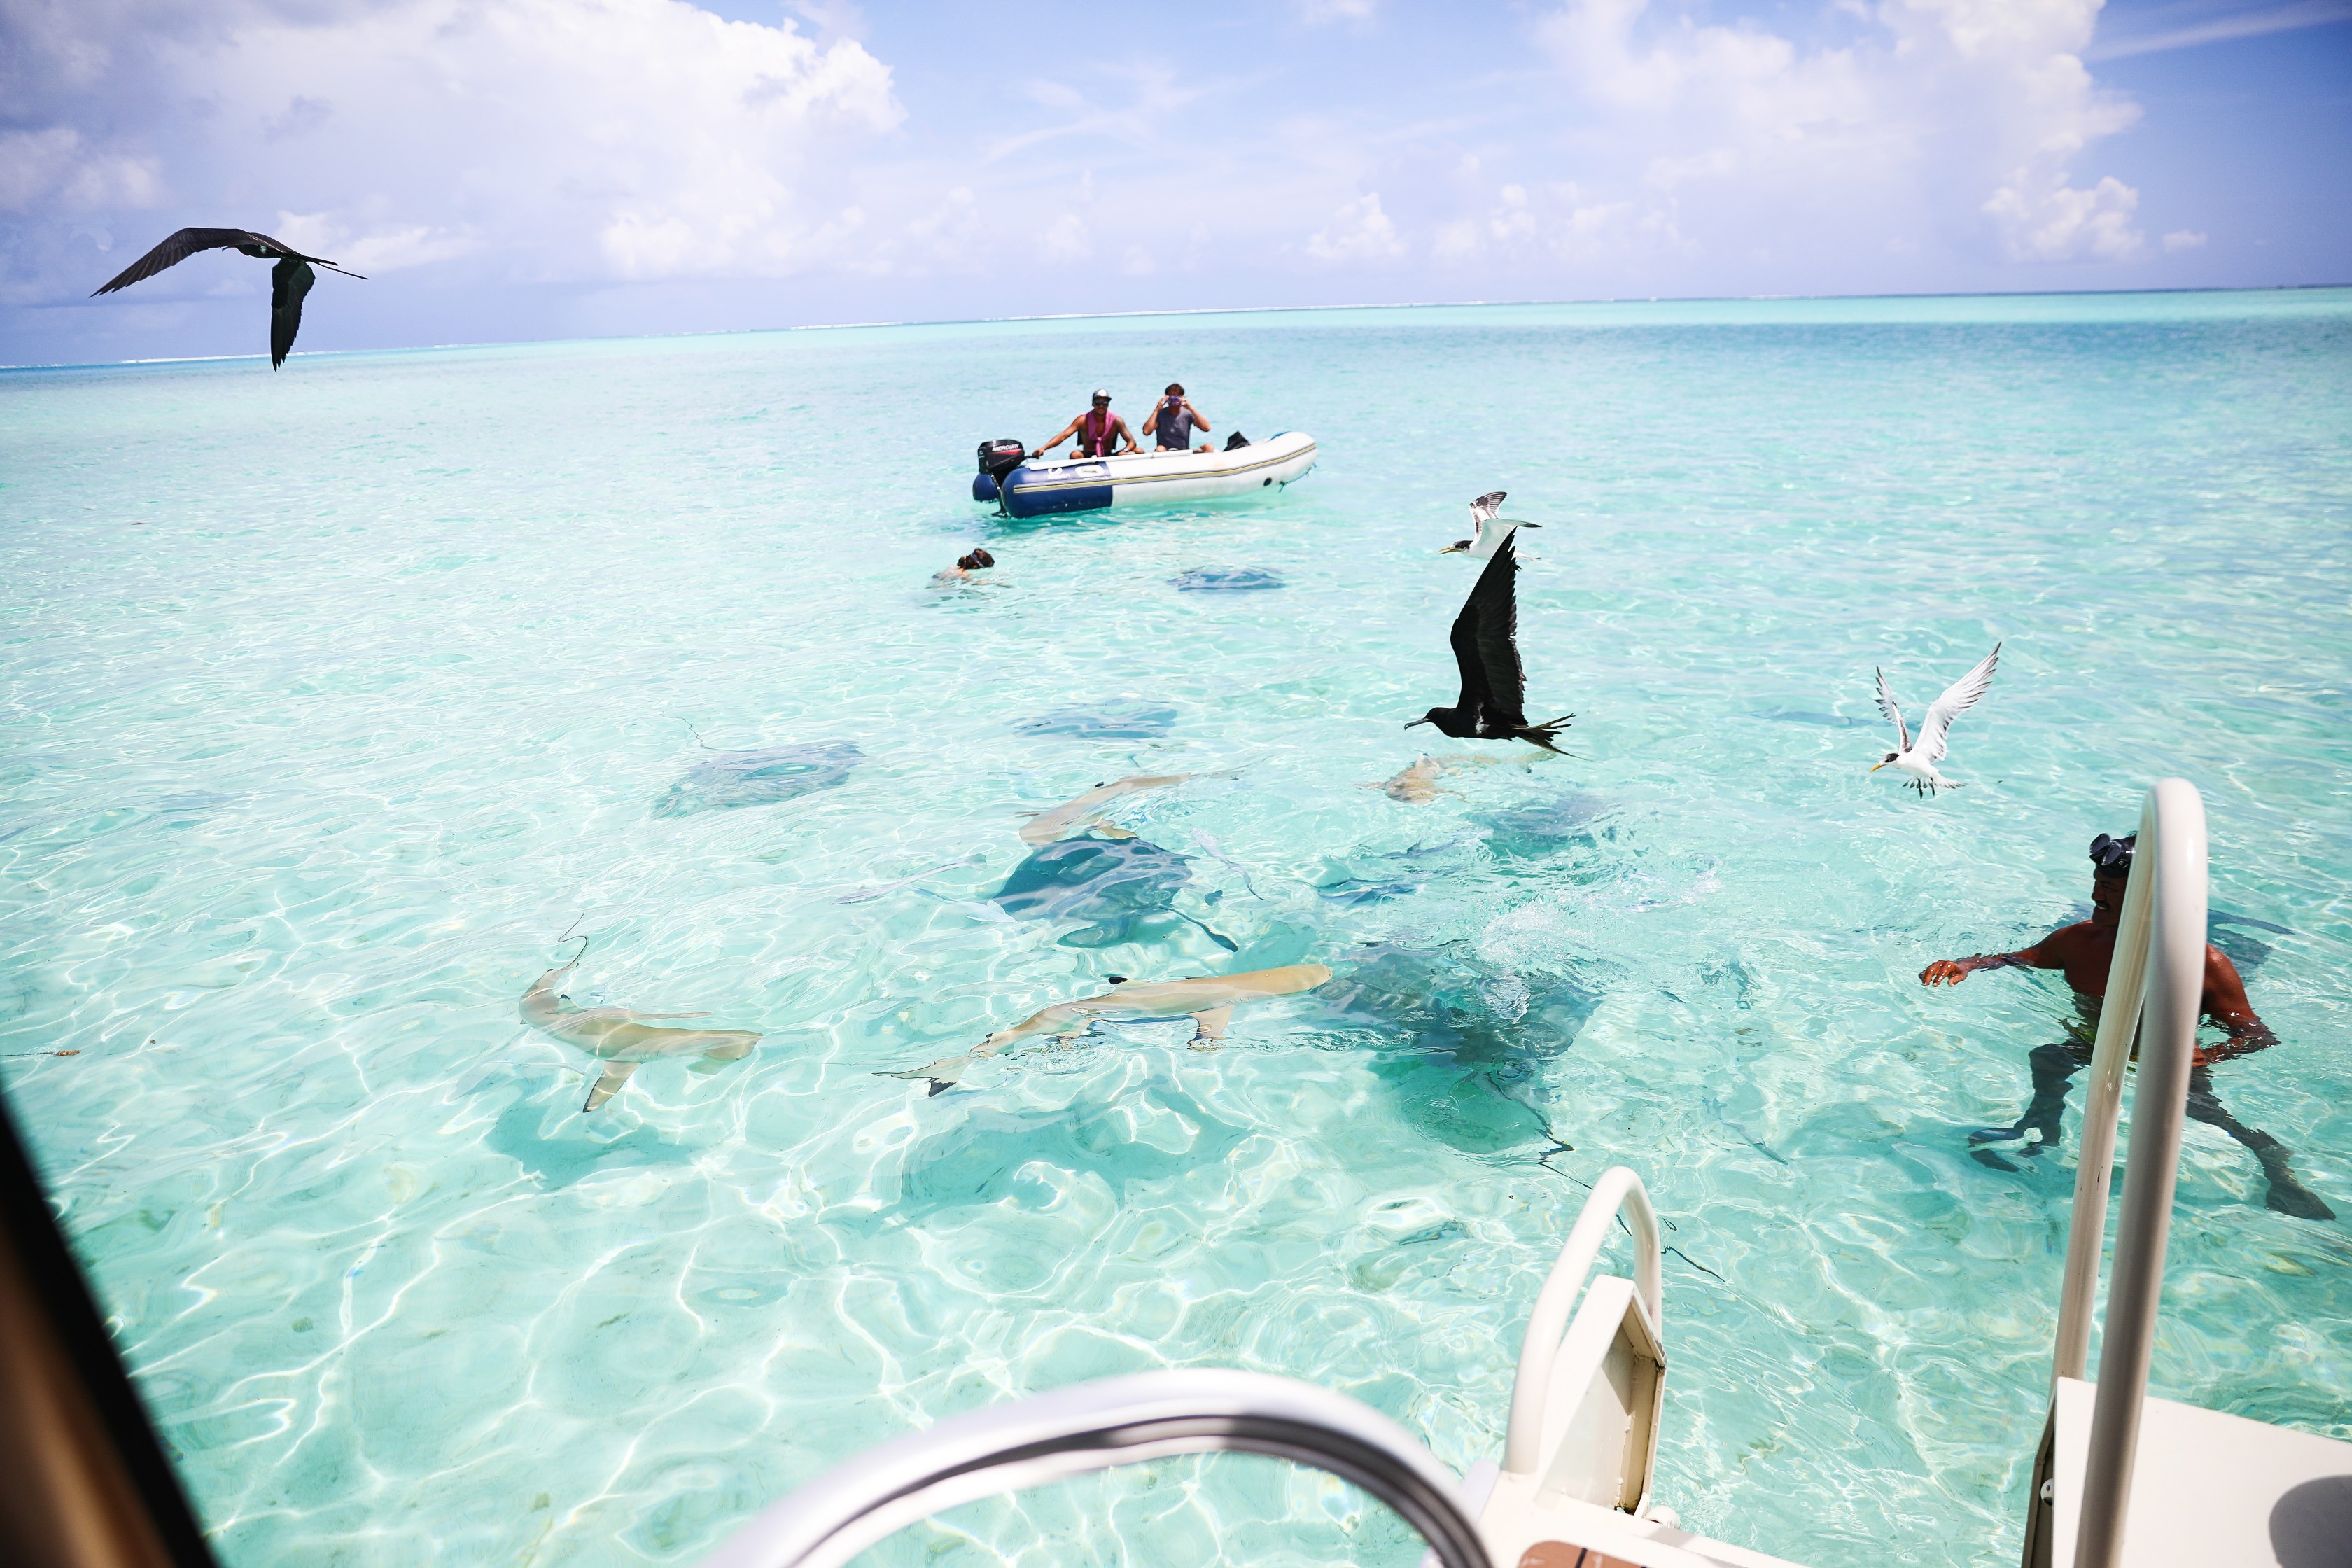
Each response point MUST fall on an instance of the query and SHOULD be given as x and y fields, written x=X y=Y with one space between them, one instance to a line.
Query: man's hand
x=1946 y=972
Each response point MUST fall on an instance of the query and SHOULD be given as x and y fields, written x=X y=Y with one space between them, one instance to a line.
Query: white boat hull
x=1041 y=488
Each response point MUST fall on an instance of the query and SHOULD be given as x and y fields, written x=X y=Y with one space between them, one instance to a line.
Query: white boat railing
x=1618 y=1189
x=1095 y=1427
x=2158 y=970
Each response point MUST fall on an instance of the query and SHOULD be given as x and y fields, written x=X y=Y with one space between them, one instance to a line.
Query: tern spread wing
x=1894 y=714
x=1485 y=647
x=1487 y=505
x=1956 y=700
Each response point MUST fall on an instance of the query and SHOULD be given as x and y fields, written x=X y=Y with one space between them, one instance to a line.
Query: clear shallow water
x=330 y=699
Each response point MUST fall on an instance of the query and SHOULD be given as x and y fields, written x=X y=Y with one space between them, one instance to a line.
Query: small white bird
x=1488 y=530
x=1919 y=760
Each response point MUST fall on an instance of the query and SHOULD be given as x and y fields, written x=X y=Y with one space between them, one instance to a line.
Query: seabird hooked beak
x=1457 y=545
x=1418 y=721
x=1875 y=768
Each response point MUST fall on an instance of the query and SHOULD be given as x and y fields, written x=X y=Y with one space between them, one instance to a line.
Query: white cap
x=1100 y=396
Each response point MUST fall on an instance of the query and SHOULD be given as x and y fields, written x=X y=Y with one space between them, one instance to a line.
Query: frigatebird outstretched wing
x=288 y=281
x=189 y=241
x=1486 y=649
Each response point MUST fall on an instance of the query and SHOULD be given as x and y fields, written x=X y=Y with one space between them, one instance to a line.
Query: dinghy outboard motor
x=997 y=458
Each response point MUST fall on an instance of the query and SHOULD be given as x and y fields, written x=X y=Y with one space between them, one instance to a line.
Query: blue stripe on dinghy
x=1038 y=500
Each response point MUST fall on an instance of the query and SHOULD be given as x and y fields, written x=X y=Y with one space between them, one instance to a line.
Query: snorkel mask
x=2112 y=856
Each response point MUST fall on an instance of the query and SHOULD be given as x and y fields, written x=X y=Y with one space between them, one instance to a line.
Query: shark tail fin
x=941 y=1076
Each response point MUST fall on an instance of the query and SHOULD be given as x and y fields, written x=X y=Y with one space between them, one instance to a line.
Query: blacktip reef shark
x=1209 y=1000
x=1417 y=785
x=623 y=1040
x=1070 y=817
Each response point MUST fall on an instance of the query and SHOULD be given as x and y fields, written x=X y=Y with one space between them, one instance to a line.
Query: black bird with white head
x=1486 y=638
x=290 y=280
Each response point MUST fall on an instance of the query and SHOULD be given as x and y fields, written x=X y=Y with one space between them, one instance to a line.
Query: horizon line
x=1202 y=311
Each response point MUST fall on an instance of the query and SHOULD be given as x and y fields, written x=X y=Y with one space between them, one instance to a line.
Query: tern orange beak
x=1876 y=769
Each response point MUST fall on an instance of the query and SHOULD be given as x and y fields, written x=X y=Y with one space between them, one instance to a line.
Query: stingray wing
x=1487 y=647
x=178 y=248
x=290 y=280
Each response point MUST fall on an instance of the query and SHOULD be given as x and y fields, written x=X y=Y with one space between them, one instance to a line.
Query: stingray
x=1118 y=721
x=1569 y=820
x=1353 y=892
x=1124 y=888
x=1463 y=1043
x=1223 y=580
x=722 y=781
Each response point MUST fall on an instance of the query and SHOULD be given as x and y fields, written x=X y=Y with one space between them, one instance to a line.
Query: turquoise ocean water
x=332 y=698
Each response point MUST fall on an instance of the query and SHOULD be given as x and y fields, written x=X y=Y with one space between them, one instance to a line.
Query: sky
x=506 y=170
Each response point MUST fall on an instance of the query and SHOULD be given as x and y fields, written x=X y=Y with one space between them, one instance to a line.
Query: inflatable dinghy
x=1040 y=487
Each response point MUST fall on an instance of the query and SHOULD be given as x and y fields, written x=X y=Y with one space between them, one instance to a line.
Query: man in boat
x=1173 y=422
x=2083 y=952
x=1097 y=430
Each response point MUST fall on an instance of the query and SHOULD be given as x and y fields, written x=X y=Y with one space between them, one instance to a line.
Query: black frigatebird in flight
x=289 y=280
x=1485 y=639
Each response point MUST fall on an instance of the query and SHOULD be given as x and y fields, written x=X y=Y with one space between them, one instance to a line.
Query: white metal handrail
x=2159 y=968
x=1618 y=1188
x=1098 y=1425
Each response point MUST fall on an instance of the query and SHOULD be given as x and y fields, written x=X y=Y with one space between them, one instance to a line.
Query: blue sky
x=507 y=169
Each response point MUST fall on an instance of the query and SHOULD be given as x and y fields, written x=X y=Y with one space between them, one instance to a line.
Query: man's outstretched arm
x=1952 y=970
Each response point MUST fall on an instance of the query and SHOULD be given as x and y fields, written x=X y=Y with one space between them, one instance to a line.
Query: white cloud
x=2184 y=240
x=2059 y=223
x=1066 y=239
x=547 y=139
x=55 y=167
x=382 y=251
x=1357 y=232
x=1628 y=147
x=1923 y=113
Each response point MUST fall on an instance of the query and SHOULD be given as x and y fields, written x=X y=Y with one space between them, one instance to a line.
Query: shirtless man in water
x=2084 y=951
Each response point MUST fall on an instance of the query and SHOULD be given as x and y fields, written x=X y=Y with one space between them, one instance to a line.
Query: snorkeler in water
x=978 y=561
x=2084 y=951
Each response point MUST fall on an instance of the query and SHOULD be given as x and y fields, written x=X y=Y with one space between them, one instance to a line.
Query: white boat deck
x=2210 y=1491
